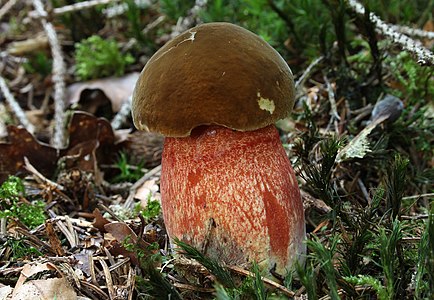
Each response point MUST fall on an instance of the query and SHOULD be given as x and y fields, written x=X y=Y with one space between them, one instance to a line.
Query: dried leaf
x=359 y=146
x=90 y=138
x=22 y=144
x=46 y=289
x=5 y=291
x=99 y=221
x=30 y=285
x=120 y=231
x=116 y=89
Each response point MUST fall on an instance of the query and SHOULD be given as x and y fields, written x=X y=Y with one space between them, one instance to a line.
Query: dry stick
x=267 y=281
x=122 y=114
x=418 y=196
x=416 y=32
x=7 y=7
x=130 y=199
x=41 y=178
x=299 y=83
x=131 y=282
x=58 y=140
x=108 y=279
x=194 y=288
x=188 y=21
x=332 y=99
x=16 y=108
x=121 y=8
x=71 y=8
x=425 y=57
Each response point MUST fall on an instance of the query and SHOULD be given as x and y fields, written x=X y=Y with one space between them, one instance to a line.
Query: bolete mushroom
x=227 y=185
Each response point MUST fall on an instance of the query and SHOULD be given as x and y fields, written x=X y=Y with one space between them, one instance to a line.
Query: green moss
x=30 y=214
x=96 y=57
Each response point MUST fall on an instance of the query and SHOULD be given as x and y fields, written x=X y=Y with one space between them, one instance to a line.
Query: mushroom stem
x=234 y=195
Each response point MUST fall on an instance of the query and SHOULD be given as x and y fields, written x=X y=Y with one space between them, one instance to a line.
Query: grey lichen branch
x=15 y=107
x=58 y=140
x=425 y=56
x=72 y=8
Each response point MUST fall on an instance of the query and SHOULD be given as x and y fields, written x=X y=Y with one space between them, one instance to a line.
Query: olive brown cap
x=215 y=73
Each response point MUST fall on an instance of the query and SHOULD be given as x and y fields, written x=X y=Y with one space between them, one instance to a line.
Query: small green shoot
x=324 y=257
x=388 y=256
x=318 y=176
x=96 y=57
x=424 y=277
x=175 y=9
x=258 y=284
x=20 y=249
x=308 y=278
x=395 y=184
x=128 y=173
x=151 y=211
x=366 y=280
x=153 y=283
x=39 y=63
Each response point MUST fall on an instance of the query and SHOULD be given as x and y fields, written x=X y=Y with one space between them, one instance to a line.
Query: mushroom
x=227 y=185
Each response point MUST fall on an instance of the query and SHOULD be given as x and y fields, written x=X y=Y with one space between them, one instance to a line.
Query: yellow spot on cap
x=266 y=104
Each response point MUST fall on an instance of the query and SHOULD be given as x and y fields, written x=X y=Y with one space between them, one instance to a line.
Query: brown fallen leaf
x=116 y=89
x=54 y=240
x=23 y=144
x=121 y=231
x=30 y=286
x=99 y=221
x=85 y=128
x=91 y=140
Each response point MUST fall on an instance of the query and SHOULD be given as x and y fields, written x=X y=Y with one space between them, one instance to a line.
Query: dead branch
x=415 y=32
x=15 y=107
x=6 y=7
x=71 y=8
x=58 y=77
x=122 y=114
x=424 y=56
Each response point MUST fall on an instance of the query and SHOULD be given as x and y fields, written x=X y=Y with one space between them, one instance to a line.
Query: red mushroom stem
x=234 y=195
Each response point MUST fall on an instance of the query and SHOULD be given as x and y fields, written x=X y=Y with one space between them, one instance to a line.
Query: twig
x=418 y=196
x=121 y=8
x=417 y=217
x=122 y=114
x=7 y=7
x=108 y=278
x=425 y=57
x=71 y=8
x=68 y=231
x=416 y=32
x=194 y=288
x=299 y=83
x=188 y=21
x=128 y=203
x=110 y=212
x=58 y=77
x=154 y=24
x=332 y=99
x=267 y=281
x=15 y=107
x=41 y=178
x=364 y=190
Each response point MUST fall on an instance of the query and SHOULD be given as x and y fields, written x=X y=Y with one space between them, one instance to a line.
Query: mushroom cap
x=215 y=73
